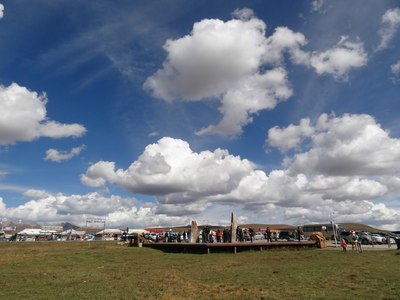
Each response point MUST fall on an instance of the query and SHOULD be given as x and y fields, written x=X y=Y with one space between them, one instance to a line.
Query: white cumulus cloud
x=58 y=156
x=348 y=145
x=339 y=60
x=23 y=117
x=170 y=166
x=235 y=63
x=1 y=10
x=291 y=136
x=45 y=207
x=348 y=161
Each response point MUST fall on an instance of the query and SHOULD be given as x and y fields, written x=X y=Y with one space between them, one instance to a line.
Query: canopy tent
x=138 y=231
x=156 y=230
x=109 y=231
x=32 y=231
x=73 y=232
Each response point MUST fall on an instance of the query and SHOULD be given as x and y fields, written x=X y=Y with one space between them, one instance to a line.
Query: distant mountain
x=68 y=226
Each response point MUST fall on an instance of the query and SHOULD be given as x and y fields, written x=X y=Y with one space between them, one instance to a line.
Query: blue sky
x=154 y=113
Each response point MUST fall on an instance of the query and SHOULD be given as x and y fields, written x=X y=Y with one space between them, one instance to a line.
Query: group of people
x=207 y=236
x=221 y=235
x=355 y=243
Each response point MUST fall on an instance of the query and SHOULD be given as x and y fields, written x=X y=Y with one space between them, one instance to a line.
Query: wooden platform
x=206 y=248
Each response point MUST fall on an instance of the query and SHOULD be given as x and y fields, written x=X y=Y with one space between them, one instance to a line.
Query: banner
x=9 y=228
x=52 y=228
x=96 y=220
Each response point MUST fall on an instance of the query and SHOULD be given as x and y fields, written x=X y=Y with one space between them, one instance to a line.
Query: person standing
x=251 y=233
x=225 y=236
x=354 y=241
x=344 y=245
x=299 y=233
x=219 y=235
x=268 y=233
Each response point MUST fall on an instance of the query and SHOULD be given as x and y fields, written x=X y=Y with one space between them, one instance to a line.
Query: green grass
x=104 y=270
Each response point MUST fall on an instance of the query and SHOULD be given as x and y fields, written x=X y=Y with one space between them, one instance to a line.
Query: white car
x=153 y=236
x=259 y=236
x=378 y=239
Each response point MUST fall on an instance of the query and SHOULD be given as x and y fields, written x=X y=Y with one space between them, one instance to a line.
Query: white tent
x=109 y=231
x=73 y=232
x=31 y=231
x=138 y=231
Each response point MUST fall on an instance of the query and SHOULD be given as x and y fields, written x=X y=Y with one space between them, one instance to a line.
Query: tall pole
x=104 y=227
x=334 y=228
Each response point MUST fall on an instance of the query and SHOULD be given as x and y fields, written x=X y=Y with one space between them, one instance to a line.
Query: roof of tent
x=110 y=230
x=73 y=232
x=31 y=231
x=138 y=231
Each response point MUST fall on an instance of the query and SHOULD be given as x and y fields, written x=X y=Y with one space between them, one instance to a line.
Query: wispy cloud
x=390 y=26
x=59 y=156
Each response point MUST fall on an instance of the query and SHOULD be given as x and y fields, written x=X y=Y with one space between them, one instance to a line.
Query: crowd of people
x=223 y=235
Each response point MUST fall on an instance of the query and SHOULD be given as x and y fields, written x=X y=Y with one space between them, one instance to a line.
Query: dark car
x=364 y=238
x=286 y=235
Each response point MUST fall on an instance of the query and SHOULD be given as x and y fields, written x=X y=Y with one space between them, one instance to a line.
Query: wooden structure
x=206 y=248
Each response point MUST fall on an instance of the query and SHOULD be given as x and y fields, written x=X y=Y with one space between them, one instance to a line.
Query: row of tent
x=38 y=232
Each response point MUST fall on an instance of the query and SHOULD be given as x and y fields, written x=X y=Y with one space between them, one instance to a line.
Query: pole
x=104 y=228
x=334 y=228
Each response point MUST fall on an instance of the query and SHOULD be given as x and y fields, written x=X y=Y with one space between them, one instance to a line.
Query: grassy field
x=105 y=270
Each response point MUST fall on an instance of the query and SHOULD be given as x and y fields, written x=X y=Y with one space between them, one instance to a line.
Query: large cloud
x=347 y=160
x=23 y=117
x=47 y=208
x=170 y=166
x=390 y=25
x=343 y=146
x=235 y=63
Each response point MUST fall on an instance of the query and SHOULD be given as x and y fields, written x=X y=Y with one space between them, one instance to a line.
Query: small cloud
x=395 y=70
x=390 y=25
x=59 y=156
x=154 y=133
x=243 y=14
x=317 y=6
x=340 y=59
x=1 y=10
x=36 y=194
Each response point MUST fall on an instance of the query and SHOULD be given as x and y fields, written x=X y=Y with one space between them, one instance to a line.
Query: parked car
x=286 y=235
x=378 y=239
x=345 y=235
x=364 y=238
x=259 y=236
